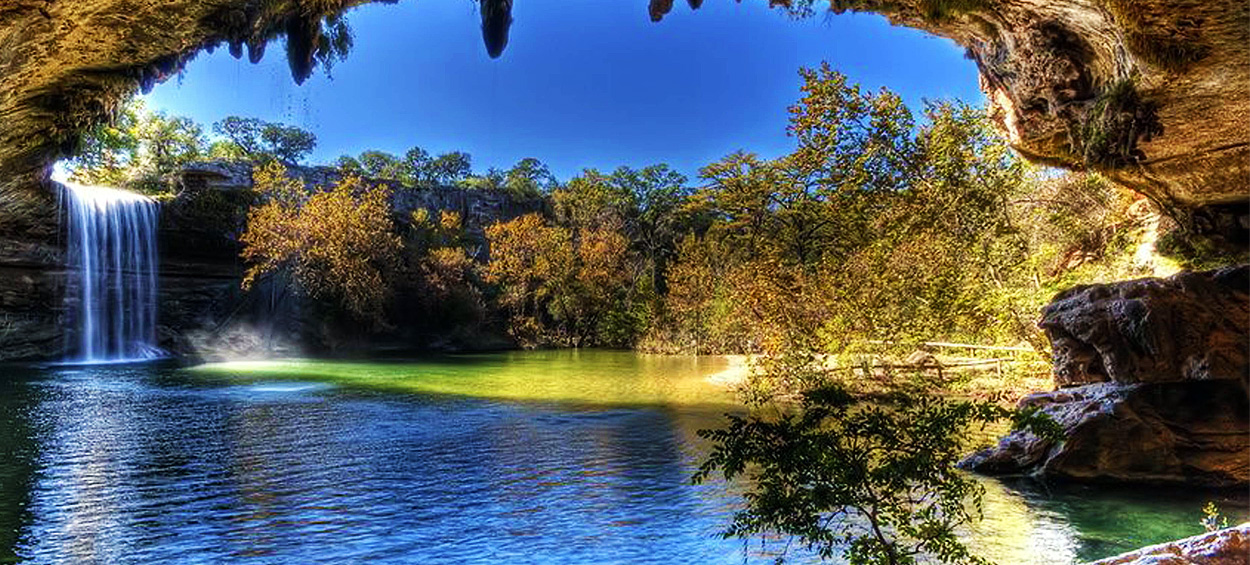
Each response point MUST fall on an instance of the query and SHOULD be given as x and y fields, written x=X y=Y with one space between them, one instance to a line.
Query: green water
x=589 y=377
x=553 y=458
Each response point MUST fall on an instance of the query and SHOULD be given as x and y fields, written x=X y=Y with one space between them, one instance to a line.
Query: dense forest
x=882 y=230
x=882 y=227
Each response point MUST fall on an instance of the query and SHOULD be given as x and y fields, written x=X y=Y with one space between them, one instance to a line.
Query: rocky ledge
x=1153 y=385
x=1155 y=93
x=1229 y=546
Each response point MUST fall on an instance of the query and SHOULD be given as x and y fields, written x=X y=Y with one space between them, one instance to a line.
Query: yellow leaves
x=526 y=250
x=547 y=274
x=449 y=221
x=338 y=242
x=602 y=253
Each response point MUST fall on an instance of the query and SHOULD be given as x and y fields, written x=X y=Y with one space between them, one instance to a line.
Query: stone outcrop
x=1155 y=93
x=1151 y=92
x=1194 y=433
x=230 y=182
x=201 y=306
x=1153 y=376
x=1229 y=546
x=1192 y=326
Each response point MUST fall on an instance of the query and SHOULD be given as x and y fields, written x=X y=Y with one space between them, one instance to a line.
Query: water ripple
x=123 y=465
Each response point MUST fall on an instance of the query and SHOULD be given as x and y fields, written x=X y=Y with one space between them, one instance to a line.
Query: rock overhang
x=1154 y=93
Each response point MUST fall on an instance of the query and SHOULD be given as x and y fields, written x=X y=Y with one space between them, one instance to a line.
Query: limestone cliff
x=200 y=302
x=1154 y=92
x=1153 y=378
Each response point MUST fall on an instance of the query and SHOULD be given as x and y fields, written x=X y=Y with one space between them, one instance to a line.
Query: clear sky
x=583 y=83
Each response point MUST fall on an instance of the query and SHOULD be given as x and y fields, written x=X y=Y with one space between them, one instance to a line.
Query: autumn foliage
x=336 y=243
x=881 y=226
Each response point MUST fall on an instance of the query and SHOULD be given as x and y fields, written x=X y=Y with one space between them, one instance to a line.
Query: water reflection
x=17 y=464
x=150 y=464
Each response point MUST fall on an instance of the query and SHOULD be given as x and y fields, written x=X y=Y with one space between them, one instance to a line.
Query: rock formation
x=1191 y=326
x=1155 y=93
x=199 y=296
x=1229 y=546
x=1154 y=377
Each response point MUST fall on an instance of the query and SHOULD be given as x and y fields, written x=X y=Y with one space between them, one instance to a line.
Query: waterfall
x=112 y=274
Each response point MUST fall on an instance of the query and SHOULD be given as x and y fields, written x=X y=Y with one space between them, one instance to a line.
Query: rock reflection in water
x=154 y=464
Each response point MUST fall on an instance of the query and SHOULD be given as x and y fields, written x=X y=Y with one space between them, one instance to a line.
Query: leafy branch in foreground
x=870 y=478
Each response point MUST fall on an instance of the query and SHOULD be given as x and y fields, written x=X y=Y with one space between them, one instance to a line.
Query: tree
x=349 y=165
x=865 y=475
x=442 y=273
x=417 y=161
x=107 y=151
x=226 y=150
x=169 y=142
x=530 y=261
x=263 y=141
x=589 y=200
x=654 y=218
x=601 y=308
x=449 y=168
x=383 y=165
x=529 y=178
x=138 y=148
x=337 y=243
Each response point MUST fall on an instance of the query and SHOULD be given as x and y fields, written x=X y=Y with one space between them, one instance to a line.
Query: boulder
x=1229 y=546
x=1191 y=326
x=1195 y=433
x=1152 y=378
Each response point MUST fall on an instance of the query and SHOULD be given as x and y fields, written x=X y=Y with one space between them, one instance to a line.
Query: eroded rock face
x=201 y=306
x=1194 y=433
x=65 y=65
x=1229 y=546
x=1051 y=68
x=1154 y=92
x=1191 y=326
x=1153 y=380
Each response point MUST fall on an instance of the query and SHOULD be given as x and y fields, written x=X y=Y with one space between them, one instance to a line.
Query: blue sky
x=583 y=83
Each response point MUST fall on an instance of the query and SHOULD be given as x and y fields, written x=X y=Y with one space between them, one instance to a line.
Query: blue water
x=152 y=464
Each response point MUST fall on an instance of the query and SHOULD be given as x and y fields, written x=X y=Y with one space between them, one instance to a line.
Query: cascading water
x=112 y=279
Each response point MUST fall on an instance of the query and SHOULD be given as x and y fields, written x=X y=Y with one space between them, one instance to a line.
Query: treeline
x=881 y=226
x=140 y=149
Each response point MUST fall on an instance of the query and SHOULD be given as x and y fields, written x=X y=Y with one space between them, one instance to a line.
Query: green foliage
x=1108 y=134
x=449 y=168
x=1195 y=252
x=169 y=142
x=492 y=180
x=1080 y=228
x=138 y=149
x=872 y=229
x=529 y=178
x=334 y=42
x=107 y=151
x=594 y=275
x=383 y=165
x=263 y=141
x=866 y=477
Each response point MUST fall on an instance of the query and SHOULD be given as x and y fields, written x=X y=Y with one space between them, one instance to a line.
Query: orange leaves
x=339 y=242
